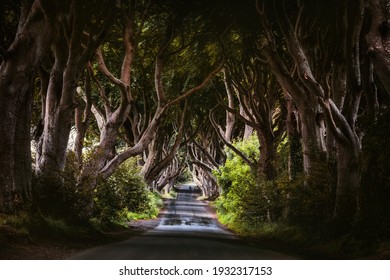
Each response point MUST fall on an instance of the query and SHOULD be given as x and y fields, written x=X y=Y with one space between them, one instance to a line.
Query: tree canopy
x=278 y=107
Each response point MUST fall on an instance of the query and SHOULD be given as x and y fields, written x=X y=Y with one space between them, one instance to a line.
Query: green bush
x=184 y=177
x=235 y=171
x=124 y=196
x=59 y=198
x=246 y=201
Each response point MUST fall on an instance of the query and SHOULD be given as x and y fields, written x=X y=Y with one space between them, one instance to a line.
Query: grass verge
x=307 y=243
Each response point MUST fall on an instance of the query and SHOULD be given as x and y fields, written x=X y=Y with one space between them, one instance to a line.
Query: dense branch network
x=180 y=86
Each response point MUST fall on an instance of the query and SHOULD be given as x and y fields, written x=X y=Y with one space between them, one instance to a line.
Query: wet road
x=187 y=230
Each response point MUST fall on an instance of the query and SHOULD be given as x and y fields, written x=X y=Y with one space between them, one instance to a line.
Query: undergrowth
x=38 y=227
x=308 y=242
x=288 y=211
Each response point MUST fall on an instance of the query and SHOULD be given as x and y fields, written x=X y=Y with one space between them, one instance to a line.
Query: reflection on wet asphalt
x=186 y=215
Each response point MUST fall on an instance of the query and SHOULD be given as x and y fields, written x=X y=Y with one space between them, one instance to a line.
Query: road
x=187 y=230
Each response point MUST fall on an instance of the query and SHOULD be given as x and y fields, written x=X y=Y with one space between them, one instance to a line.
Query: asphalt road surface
x=187 y=231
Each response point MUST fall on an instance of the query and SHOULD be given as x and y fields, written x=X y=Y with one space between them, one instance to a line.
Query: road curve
x=187 y=231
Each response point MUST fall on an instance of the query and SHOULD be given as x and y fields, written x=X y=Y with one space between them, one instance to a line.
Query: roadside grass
x=37 y=227
x=57 y=229
x=122 y=217
x=17 y=222
x=308 y=243
x=171 y=195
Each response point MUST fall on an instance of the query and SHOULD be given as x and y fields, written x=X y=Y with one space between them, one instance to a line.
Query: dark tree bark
x=295 y=160
x=167 y=178
x=259 y=97
x=204 y=157
x=104 y=163
x=72 y=50
x=230 y=118
x=340 y=118
x=18 y=68
x=152 y=171
x=23 y=153
x=378 y=40
x=82 y=118
x=312 y=148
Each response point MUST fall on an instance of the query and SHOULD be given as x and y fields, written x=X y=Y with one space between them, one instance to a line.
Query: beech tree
x=19 y=65
x=106 y=158
x=204 y=156
x=81 y=33
x=313 y=148
x=163 y=150
x=258 y=96
x=378 y=40
x=175 y=84
x=316 y=86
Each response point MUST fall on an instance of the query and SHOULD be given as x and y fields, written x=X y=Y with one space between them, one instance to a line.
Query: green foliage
x=124 y=196
x=30 y=226
x=120 y=198
x=17 y=221
x=59 y=198
x=234 y=178
x=184 y=177
x=247 y=201
x=235 y=172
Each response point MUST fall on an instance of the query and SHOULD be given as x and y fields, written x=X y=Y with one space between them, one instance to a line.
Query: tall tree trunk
x=295 y=163
x=267 y=157
x=307 y=108
x=72 y=50
x=15 y=153
x=57 y=121
x=312 y=150
x=103 y=153
x=23 y=151
x=67 y=50
x=348 y=183
x=17 y=71
x=378 y=40
x=82 y=117
x=248 y=130
x=230 y=118
x=349 y=173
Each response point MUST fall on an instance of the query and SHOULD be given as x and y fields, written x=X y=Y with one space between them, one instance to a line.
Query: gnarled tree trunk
x=17 y=71
x=378 y=40
x=348 y=183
